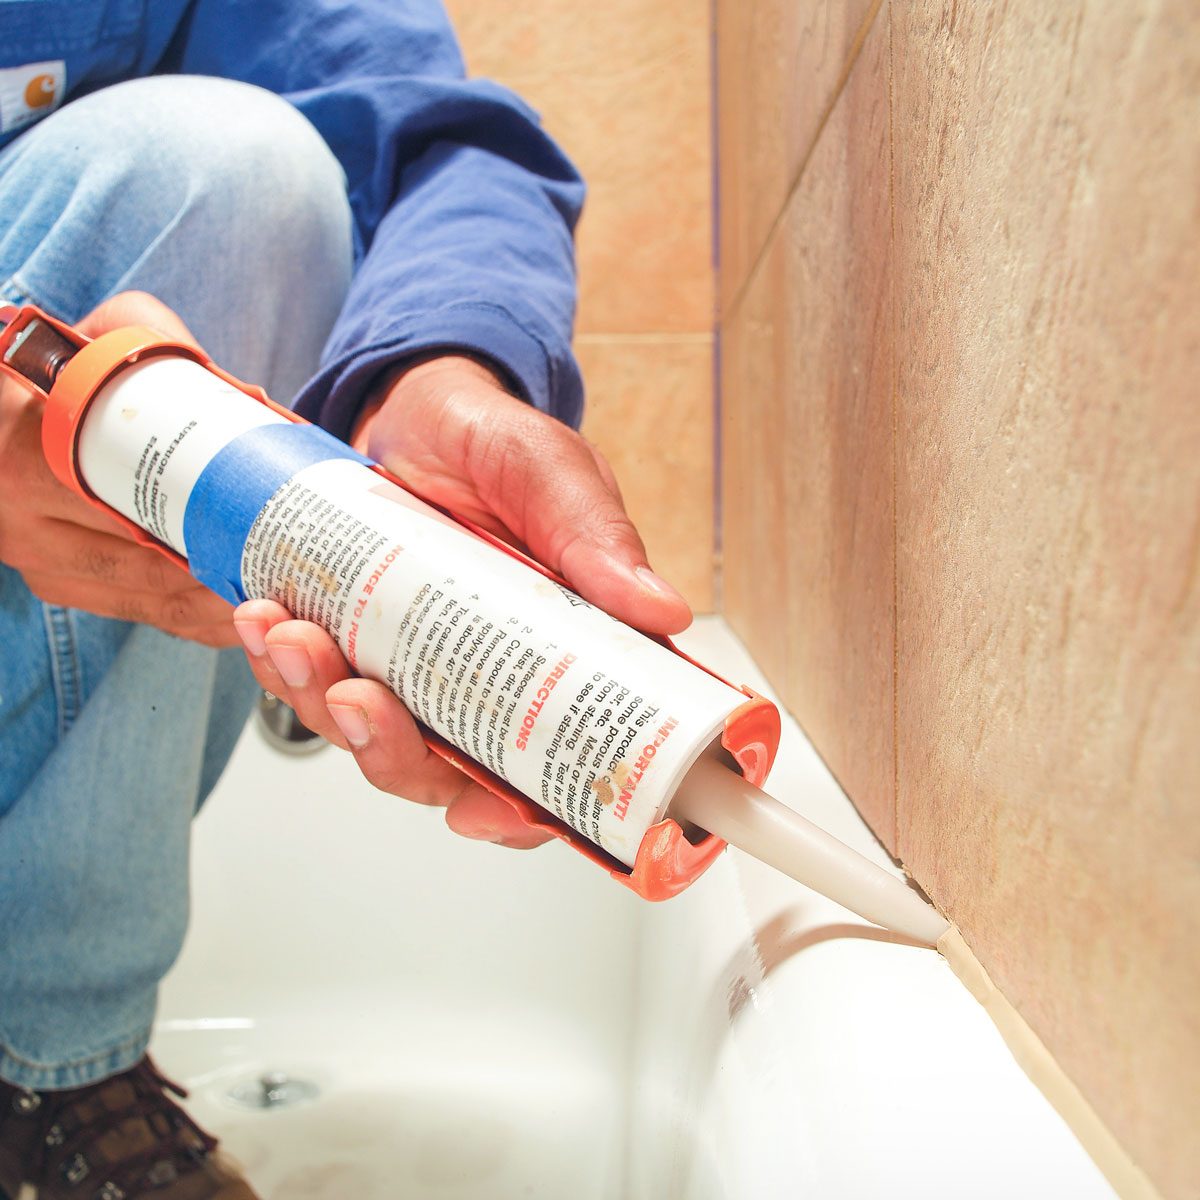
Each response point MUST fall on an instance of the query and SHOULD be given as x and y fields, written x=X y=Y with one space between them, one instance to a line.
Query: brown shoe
x=119 y=1139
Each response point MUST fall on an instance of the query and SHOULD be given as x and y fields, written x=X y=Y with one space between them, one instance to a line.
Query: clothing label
x=30 y=92
x=588 y=718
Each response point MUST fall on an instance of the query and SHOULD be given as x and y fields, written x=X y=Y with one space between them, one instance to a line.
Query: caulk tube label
x=588 y=718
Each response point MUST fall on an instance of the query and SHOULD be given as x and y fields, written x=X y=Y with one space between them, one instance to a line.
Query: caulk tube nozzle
x=719 y=800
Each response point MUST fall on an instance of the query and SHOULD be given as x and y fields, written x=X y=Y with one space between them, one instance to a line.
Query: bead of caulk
x=719 y=800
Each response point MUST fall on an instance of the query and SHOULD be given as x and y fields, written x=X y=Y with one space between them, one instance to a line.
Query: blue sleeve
x=463 y=207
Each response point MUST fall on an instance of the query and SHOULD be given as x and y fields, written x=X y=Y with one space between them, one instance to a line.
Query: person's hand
x=72 y=554
x=450 y=430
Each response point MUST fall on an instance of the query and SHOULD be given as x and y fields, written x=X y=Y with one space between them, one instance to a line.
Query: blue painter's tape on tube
x=233 y=489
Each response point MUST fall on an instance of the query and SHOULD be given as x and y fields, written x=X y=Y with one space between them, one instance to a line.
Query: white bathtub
x=493 y=1025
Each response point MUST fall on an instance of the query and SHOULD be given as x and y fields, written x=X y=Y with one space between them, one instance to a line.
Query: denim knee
x=212 y=194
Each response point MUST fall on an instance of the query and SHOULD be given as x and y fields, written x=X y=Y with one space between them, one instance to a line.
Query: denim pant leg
x=221 y=200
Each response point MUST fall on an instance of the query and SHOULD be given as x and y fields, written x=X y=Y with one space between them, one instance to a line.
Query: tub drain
x=273 y=1090
x=282 y=729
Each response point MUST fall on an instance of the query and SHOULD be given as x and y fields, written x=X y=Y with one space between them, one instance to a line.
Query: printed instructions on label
x=589 y=719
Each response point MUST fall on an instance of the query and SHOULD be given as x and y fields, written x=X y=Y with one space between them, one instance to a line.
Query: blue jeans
x=221 y=200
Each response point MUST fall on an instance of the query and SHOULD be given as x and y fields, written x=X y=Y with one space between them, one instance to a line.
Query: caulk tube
x=583 y=715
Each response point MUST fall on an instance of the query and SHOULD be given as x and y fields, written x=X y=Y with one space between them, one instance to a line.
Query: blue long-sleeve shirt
x=463 y=207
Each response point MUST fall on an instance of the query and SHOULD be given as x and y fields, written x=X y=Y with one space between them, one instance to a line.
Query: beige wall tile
x=754 y=526
x=643 y=394
x=807 y=450
x=1046 y=264
x=625 y=88
x=779 y=64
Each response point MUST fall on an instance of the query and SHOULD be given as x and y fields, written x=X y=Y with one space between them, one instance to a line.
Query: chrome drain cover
x=272 y=1090
x=283 y=730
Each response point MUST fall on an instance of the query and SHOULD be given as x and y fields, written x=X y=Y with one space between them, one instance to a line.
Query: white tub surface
x=490 y=1024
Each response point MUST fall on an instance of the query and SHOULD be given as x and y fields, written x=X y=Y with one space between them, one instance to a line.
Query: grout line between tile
x=894 y=365
x=695 y=338
x=794 y=183
x=716 y=406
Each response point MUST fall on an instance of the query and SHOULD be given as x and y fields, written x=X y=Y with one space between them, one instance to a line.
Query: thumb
x=135 y=308
x=556 y=493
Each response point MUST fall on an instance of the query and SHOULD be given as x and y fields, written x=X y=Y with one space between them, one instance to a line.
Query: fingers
x=66 y=565
x=192 y=612
x=477 y=813
x=387 y=745
x=27 y=485
x=54 y=547
x=305 y=663
x=301 y=663
x=253 y=622
x=27 y=480
x=135 y=308
x=74 y=554
x=558 y=495
x=485 y=454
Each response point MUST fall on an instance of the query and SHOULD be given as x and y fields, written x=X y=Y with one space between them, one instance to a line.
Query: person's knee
x=226 y=142
x=234 y=167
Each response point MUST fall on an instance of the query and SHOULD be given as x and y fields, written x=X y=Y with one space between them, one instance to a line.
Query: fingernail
x=253 y=635
x=352 y=721
x=292 y=663
x=658 y=585
x=482 y=833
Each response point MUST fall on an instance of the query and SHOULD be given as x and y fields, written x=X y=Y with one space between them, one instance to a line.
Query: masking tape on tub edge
x=1127 y=1178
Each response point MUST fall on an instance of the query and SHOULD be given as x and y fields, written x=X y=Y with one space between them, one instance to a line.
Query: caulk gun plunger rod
x=719 y=800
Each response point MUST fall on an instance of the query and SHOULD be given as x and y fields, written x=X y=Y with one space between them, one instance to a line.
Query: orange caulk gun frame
x=79 y=368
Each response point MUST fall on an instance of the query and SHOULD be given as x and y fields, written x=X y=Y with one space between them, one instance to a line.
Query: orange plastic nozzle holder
x=666 y=861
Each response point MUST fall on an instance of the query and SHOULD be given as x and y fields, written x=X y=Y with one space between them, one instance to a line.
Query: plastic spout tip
x=718 y=799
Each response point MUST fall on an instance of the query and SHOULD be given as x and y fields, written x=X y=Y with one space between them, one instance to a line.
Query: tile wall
x=960 y=330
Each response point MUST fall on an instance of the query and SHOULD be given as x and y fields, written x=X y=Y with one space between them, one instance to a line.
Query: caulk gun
x=613 y=741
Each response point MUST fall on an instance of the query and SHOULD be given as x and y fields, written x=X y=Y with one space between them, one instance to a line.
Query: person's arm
x=463 y=207
x=464 y=212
